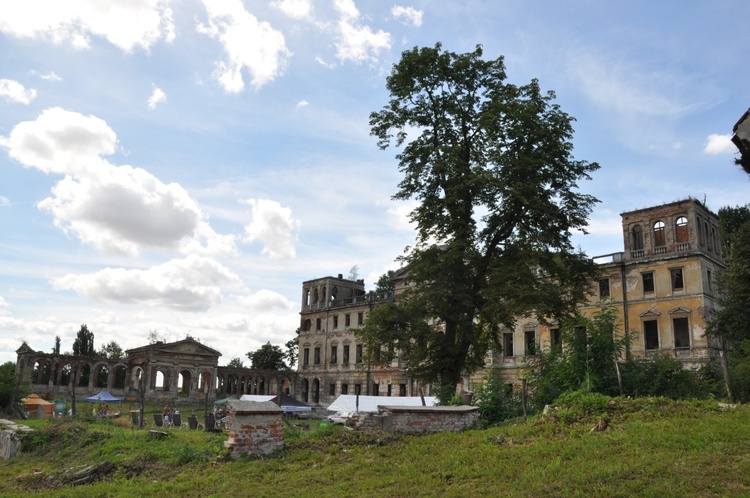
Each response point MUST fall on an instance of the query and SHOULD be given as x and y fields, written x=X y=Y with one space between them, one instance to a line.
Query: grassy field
x=651 y=447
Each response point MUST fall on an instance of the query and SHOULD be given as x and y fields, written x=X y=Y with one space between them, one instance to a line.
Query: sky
x=181 y=167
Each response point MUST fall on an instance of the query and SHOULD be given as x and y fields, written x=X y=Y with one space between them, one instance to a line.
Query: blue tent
x=104 y=397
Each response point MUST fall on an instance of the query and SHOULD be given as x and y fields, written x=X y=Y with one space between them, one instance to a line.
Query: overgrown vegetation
x=562 y=453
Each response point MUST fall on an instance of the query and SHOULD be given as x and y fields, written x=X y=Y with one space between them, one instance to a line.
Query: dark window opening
x=508 y=344
x=346 y=354
x=677 y=281
x=317 y=356
x=603 y=288
x=659 y=237
x=360 y=318
x=402 y=389
x=530 y=342
x=358 y=389
x=306 y=357
x=681 y=332
x=389 y=391
x=335 y=321
x=332 y=389
x=317 y=324
x=334 y=355
x=347 y=320
x=709 y=280
x=344 y=388
x=555 y=338
x=358 y=358
x=648 y=282
x=651 y=334
x=376 y=389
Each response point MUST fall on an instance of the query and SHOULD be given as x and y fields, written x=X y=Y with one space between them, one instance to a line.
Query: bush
x=659 y=376
x=497 y=400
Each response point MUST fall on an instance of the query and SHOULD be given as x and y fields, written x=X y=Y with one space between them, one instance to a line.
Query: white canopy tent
x=348 y=402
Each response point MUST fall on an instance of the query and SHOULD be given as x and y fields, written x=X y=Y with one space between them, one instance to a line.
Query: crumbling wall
x=418 y=419
x=10 y=439
x=255 y=428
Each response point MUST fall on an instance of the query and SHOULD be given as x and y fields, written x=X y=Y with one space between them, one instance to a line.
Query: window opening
x=603 y=288
x=648 y=282
x=346 y=354
x=530 y=342
x=651 y=334
x=317 y=356
x=659 y=238
x=681 y=332
x=681 y=229
x=508 y=344
x=637 y=238
x=677 y=280
x=358 y=358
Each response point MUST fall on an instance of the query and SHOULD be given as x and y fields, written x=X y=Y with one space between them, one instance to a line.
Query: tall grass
x=651 y=447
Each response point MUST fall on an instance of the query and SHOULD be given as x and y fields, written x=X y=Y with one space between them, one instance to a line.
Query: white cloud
x=51 y=76
x=296 y=9
x=4 y=200
x=302 y=103
x=407 y=15
x=719 y=144
x=4 y=308
x=249 y=43
x=274 y=226
x=13 y=91
x=190 y=284
x=357 y=42
x=113 y=208
x=126 y=25
x=265 y=300
x=157 y=97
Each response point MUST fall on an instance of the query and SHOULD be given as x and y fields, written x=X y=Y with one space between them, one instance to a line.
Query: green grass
x=653 y=447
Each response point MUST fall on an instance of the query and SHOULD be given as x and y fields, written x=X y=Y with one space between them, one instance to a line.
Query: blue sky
x=183 y=166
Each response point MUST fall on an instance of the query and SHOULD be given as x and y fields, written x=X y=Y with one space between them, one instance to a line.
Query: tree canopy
x=491 y=166
x=732 y=320
x=84 y=343
x=236 y=363
x=268 y=357
x=111 y=350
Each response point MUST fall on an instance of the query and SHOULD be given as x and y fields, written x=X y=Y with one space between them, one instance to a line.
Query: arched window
x=681 y=229
x=659 y=237
x=637 y=238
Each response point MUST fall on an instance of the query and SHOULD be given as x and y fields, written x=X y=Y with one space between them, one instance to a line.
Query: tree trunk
x=725 y=370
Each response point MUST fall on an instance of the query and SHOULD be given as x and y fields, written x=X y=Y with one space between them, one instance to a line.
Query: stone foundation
x=255 y=428
x=418 y=419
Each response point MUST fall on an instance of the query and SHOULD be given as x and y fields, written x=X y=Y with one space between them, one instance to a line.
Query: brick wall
x=418 y=419
x=254 y=428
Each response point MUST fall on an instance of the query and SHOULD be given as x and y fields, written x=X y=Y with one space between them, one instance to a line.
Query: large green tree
x=111 y=350
x=268 y=357
x=84 y=343
x=491 y=166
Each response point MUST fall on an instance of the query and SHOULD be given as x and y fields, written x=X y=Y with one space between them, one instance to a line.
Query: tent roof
x=290 y=404
x=33 y=399
x=348 y=402
x=259 y=398
x=102 y=396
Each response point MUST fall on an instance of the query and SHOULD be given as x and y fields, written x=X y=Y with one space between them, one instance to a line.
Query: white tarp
x=348 y=402
x=256 y=397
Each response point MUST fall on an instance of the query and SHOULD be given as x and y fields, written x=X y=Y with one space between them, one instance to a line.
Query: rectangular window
x=317 y=356
x=332 y=390
x=346 y=354
x=648 y=282
x=508 y=344
x=603 y=288
x=677 y=281
x=555 y=338
x=651 y=334
x=317 y=324
x=306 y=357
x=344 y=388
x=334 y=355
x=360 y=318
x=376 y=389
x=335 y=321
x=347 y=320
x=709 y=279
x=358 y=358
x=681 y=332
x=358 y=389
x=402 y=389
x=529 y=339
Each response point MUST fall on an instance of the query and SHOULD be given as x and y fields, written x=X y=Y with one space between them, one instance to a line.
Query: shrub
x=497 y=400
x=659 y=376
